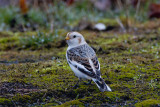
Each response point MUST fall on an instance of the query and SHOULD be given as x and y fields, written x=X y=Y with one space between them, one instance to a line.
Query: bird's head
x=74 y=39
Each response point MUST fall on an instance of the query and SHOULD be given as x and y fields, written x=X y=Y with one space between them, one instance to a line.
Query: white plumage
x=83 y=60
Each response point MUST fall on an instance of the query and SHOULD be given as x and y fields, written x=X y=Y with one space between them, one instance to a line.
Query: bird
x=83 y=61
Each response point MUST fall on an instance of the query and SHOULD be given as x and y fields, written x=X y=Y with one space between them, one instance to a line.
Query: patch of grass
x=37 y=16
x=11 y=18
x=39 y=40
x=7 y=14
x=70 y=16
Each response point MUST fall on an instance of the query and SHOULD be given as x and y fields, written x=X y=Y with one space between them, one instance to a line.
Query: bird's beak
x=67 y=38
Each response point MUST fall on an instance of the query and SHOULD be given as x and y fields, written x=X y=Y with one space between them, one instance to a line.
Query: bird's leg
x=76 y=86
x=88 y=83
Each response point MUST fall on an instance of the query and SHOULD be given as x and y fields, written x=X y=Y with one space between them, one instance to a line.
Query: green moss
x=148 y=103
x=111 y=22
x=126 y=77
x=130 y=72
x=5 y=101
x=72 y=103
x=22 y=98
x=47 y=70
x=10 y=39
x=101 y=98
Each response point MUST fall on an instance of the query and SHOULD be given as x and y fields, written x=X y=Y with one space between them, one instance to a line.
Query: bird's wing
x=96 y=65
x=79 y=57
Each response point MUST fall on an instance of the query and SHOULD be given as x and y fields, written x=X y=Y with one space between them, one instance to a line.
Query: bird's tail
x=101 y=85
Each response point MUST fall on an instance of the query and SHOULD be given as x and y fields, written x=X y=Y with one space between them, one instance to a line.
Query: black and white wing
x=85 y=60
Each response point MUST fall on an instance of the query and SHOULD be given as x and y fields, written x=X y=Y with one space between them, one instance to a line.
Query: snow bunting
x=83 y=60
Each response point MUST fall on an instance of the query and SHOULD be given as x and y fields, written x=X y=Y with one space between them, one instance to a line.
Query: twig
x=127 y=14
x=137 y=8
x=59 y=102
x=52 y=26
x=36 y=3
x=44 y=96
x=119 y=2
x=45 y=5
x=120 y=24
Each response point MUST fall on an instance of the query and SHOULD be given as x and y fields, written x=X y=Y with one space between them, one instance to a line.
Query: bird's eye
x=74 y=36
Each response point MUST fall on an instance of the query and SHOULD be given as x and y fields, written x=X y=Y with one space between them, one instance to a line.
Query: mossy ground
x=130 y=65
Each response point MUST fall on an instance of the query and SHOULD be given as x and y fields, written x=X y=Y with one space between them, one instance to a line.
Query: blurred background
x=51 y=19
x=33 y=15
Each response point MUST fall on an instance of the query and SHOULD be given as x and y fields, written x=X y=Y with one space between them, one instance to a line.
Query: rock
x=100 y=26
